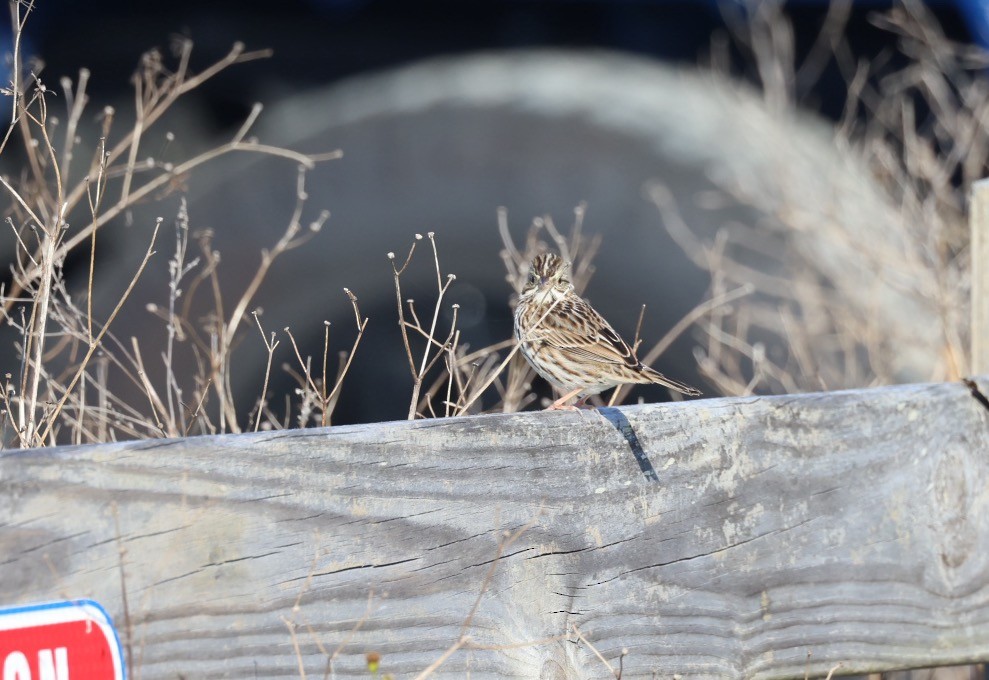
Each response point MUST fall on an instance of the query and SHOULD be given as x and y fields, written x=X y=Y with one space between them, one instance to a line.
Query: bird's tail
x=659 y=379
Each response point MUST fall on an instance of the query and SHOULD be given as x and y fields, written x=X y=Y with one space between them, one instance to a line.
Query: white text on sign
x=52 y=665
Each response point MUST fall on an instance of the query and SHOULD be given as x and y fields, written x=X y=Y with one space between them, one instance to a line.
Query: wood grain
x=853 y=526
x=978 y=220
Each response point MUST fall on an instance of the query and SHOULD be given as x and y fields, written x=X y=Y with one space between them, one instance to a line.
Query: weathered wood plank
x=978 y=219
x=851 y=525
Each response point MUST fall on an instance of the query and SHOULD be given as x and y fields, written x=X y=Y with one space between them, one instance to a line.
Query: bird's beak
x=543 y=280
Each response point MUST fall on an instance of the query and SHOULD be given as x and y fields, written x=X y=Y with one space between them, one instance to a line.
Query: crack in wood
x=500 y=557
x=688 y=558
x=53 y=542
x=585 y=548
x=239 y=559
x=459 y=540
x=259 y=499
x=179 y=577
x=356 y=566
x=153 y=534
x=299 y=519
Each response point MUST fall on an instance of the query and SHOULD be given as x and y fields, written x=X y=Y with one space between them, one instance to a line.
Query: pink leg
x=561 y=403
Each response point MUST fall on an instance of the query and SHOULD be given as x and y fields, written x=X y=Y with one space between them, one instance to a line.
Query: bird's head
x=549 y=275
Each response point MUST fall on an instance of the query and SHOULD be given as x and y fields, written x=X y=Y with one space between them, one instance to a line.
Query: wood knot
x=956 y=535
x=552 y=670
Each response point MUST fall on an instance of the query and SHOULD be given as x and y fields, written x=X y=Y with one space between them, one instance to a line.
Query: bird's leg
x=561 y=403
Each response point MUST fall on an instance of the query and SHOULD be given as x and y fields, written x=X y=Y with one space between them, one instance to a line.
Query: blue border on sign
x=61 y=604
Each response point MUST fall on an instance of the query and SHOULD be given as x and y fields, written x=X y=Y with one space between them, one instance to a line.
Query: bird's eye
x=532 y=277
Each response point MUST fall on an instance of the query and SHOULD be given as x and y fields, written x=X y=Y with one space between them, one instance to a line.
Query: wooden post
x=979 y=224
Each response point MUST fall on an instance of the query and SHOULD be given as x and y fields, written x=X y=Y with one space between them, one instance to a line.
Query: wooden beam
x=851 y=526
x=979 y=226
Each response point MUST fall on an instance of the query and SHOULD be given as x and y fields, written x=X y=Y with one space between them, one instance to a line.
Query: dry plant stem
x=77 y=103
x=287 y=242
x=297 y=605
x=45 y=198
x=504 y=363
x=331 y=400
x=326 y=359
x=136 y=133
x=295 y=644
x=178 y=269
x=98 y=339
x=638 y=330
x=102 y=397
x=324 y=417
x=150 y=110
x=451 y=368
x=27 y=253
x=49 y=233
x=306 y=372
x=40 y=318
x=17 y=21
x=199 y=407
x=248 y=123
x=357 y=626
x=442 y=288
x=37 y=220
x=176 y=87
x=307 y=161
x=94 y=207
x=297 y=608
x=153 y=400
x=22 y=440
x=441 y=348
x=682 y=325
x=25 y=353
x=594 y=649
x=510 y=539
x=403 y=326
x=487 y=383
x=424 y=366
x=427 y=362
x=269 y=345
x=330 y=658
x=464 y=639
x=121 y=554
x=46 y=202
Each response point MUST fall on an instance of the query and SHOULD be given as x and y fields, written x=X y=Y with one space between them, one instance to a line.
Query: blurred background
x=320 y=42
x=713 y=145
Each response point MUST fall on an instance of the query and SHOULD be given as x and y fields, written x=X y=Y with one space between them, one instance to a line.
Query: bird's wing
x=579 y=330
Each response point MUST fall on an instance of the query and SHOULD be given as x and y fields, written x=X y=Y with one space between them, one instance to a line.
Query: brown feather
x=568 y=343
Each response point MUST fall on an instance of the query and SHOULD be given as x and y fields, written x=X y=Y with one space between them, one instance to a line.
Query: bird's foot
x=562 y=405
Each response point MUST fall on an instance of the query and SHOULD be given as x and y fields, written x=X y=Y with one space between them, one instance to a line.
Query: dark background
x=446 y=169
x=320 y=42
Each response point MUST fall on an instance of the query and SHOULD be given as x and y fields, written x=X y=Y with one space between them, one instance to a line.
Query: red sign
x=59 y=641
